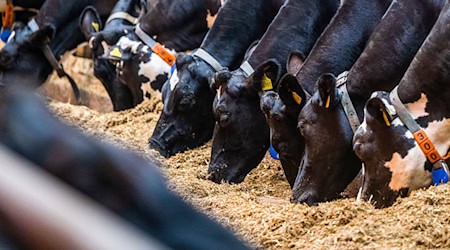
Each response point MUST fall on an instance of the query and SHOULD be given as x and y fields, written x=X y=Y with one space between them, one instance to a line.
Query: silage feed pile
x=258 y=210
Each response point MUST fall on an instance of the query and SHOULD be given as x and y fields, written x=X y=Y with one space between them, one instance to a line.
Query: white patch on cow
x=153 y=68
x=124 y=43
x=417 y=109
x=174 y=80
x=409 y=171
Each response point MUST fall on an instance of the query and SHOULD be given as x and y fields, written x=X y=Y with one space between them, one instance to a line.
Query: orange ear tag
x=266 y=83
x=386 y=119
x=296 y=98
x=327 y=104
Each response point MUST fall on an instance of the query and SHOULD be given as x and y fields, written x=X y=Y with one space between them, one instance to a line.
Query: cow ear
x=221 y=78
x=290 y=91
x=266 y=75
x=183 y=59
x=328 y=94
x=377 y=111
x=295 y=62
x=44 y=35
x=90 y=22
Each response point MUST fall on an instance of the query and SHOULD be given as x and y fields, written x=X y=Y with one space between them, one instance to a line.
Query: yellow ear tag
x=116 y=53
x=266 y=83
x=327 y=105
x=96 y=26
x=296 y=98
x=386 y=120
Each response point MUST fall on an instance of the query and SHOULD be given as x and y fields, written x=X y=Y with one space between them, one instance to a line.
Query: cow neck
x=440 y=170
x=56 y=65
x=296 y=27
x=364 y=80
x=246 y=21
x=124 y=12
x=54 y=12
x=353 y=24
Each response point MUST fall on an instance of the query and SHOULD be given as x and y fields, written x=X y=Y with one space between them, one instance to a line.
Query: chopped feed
x=258 y=210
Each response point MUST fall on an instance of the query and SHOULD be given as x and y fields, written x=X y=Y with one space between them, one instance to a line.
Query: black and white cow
x=122 y=20
x=241 y=135
x=128 y=185
x=328 y=120
x=353 y=24
x=394 y=163
x=55 y=25
x=178 y=25
x=187 y=120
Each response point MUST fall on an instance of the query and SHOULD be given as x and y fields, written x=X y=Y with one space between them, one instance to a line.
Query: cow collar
x=208 y=58
x=247 y=68
x=156 y=47
x=124 y=16
x=440 y=169
x=346 y=102
x=56 y=65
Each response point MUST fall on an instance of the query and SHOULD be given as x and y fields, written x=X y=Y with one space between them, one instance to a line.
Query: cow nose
x=157 y=145
x=214 y=177
x=309 y=197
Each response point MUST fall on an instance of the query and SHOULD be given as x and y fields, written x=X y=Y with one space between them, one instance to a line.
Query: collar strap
x=247 y=68
x=346 y=102
x=156 y=47
x=124 y=16
x=209 y=59
x=419 y=134
x=56 y=65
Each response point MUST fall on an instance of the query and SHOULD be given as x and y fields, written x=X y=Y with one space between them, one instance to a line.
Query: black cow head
x=393 y=162
x=104 y=70
x=187 y=119
x=329 y=163
x=281 y=110
x=241 y=134
x=22 y=54
x=143 y=71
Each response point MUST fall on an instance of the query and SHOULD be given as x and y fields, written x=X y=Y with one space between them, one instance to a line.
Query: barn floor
x=258 y=210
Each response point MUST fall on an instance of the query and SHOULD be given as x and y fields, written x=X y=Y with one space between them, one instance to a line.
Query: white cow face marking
x=174 y=80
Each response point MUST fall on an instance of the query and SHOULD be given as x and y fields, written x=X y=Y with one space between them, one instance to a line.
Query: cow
x=122 y=20
x=140 y=66
x=128 y=185
x=353 y=24
x=241 y=134
x=52 y=32
x=329 y=119
x=403 y=139
x=187 y=120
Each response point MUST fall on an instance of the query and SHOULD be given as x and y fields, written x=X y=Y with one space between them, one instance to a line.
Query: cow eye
x=301 y=126
x=185 y=104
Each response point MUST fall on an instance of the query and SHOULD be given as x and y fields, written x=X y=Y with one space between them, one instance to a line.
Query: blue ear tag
x=172 y=69
x=273 y=153
x=5 y=35
x=440 y=176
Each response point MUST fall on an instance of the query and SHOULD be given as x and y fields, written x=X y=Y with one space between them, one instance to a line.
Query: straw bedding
x=258 y=210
